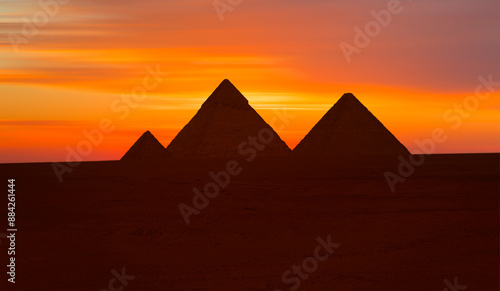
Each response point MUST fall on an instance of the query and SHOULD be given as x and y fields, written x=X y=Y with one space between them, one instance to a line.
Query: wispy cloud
x=39 y=123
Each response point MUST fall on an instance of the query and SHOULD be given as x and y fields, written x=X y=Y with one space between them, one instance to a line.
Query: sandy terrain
x=442 y=223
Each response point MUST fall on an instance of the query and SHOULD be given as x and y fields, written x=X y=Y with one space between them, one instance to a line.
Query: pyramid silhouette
x=146 y=148
x=223 y=122
x=349 y=128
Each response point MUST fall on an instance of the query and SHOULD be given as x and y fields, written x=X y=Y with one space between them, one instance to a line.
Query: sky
x=67 y=65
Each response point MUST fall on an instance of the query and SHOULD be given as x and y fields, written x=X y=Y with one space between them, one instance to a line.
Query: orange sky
x=66 y=76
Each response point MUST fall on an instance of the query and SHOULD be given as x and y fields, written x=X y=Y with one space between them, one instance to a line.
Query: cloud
x=38 y=122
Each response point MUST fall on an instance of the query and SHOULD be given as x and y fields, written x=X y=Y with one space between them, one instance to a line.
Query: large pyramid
x=349 y=128
x=223 y=122
x=146 y=148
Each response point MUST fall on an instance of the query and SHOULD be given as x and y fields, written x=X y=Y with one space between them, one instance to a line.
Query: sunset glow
x=280 y=54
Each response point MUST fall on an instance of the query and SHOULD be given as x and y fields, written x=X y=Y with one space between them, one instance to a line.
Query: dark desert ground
x=441 y=224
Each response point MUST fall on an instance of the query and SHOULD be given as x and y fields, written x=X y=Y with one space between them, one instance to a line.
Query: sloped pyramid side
x=146 y=148
x=224 y=121
x=349 y=128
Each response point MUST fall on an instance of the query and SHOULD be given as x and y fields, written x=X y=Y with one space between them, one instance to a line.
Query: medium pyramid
x=222 y=124
x=349 y=128
x=146 y=148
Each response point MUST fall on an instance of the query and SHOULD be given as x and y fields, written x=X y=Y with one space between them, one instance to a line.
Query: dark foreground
x=442 y=223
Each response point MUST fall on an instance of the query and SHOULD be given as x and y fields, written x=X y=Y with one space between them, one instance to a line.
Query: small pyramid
x=349 y=128
x=146 y=148
x=224 y=121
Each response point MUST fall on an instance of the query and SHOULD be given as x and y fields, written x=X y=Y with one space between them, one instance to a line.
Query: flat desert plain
x=441 y=224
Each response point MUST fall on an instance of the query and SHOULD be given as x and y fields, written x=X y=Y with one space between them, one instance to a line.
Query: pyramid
x=146 y=148
x=349 y=128
x=223 y=122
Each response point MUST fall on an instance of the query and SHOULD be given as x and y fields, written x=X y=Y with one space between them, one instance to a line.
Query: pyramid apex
x=226 y=84
x=227 y=94
x=148 y=135
x=348 y=96
x=225 y=81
